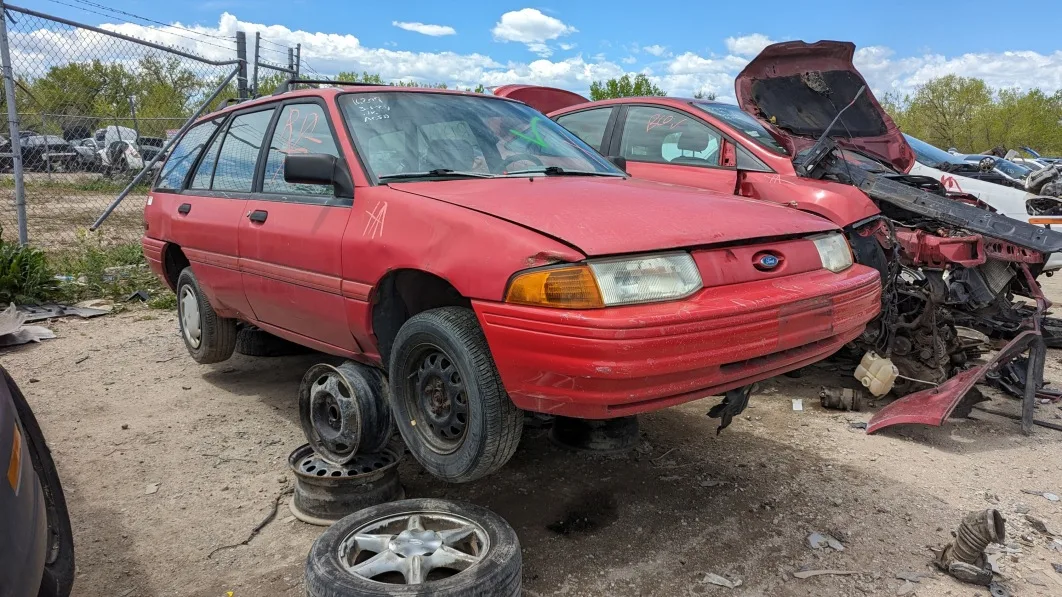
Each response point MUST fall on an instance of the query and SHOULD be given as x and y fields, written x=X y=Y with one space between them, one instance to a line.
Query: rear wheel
x=209 y=338
x=447 y=397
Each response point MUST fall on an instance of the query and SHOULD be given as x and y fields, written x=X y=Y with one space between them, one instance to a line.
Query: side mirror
x=618 y=161
x=319 y=168
x=987 y=164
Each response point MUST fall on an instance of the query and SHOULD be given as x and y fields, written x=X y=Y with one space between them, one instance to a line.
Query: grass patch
x=93 y=269
x=93 y=184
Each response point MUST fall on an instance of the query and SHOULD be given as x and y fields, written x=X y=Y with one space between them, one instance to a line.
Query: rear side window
x=239 y=152
x=184 y=154
x=588 y=125
x=204 y=174
x=302 y=128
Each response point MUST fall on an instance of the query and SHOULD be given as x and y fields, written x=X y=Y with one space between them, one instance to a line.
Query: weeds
x=92 y=269
x=25 y=275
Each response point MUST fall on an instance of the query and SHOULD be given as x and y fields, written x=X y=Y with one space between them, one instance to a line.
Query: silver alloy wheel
x=409 y=547
x=191 y=321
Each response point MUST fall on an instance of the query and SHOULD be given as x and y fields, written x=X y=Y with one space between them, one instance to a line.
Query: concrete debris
x=907 y=588
x=151 y=488
x=822 y=540
x=910 y=576
x=1039 y=525
x=1057 y=567
x=715 y=579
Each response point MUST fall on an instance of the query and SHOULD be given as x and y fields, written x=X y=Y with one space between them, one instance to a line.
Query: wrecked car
x=489 y=261
x=944 y=257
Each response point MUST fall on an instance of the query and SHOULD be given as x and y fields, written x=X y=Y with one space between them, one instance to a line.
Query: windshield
x=931 y=156
x=408 y=133
x=744 y=123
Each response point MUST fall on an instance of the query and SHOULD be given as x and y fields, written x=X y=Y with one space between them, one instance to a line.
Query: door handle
x=258 y=216
x=184 y=209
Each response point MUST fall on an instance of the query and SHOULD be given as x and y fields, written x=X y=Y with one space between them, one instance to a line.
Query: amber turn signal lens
x=562 y=287
x=1048 y=221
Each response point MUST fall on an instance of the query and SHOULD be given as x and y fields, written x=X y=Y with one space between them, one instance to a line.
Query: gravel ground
x=124 y=408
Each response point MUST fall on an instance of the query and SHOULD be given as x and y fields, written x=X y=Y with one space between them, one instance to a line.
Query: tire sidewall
x=326 y=576
x=414 y=335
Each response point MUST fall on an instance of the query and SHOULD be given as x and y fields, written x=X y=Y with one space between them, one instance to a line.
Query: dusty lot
x=123 y=407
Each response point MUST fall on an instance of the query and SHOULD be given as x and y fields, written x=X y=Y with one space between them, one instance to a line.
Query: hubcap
x=441 y=401
x=414 y=548
x=335 y=416
x=191 y=323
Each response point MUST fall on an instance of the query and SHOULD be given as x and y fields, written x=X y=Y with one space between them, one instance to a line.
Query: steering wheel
x=520 y=157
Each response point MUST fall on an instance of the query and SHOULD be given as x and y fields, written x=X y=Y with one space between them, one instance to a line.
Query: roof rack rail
x=290 y=84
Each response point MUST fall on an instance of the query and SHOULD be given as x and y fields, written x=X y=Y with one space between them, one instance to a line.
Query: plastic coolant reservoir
x=876 y=373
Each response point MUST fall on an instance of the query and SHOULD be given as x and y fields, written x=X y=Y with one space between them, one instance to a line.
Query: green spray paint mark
x=537 y=139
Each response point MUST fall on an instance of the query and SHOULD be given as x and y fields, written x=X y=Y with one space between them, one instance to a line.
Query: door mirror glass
x=319 y=168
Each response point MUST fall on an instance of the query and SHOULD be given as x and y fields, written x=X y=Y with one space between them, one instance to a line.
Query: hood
x=543 y=99
x=611 y=216
x=798 y=88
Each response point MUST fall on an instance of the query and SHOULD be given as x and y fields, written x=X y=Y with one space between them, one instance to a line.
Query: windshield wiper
x=437 y=173
x=558 y=171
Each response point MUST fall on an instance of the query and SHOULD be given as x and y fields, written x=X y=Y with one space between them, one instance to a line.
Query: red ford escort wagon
x=489 y=261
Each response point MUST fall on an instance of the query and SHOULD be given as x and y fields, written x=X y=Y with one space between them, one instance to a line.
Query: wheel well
x=173 y=261
x=401 y=294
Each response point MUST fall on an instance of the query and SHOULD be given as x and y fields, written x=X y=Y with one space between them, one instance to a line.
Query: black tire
x=59 y=570
x=217 y=338
x=493 y=424
x=496 y=575
x=351 y=418
x=255 y=342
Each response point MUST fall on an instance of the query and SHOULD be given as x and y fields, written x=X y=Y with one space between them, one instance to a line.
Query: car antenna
x=822 y=147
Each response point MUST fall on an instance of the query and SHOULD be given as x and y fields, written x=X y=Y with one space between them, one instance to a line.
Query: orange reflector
x=564 y=287
x=1046 y=220
x=14 y=468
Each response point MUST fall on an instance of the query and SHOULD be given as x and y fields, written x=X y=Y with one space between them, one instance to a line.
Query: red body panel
x=621 y=361
x=720 y=180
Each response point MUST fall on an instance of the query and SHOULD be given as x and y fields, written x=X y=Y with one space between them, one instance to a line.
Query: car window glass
x=204 y=173
x=588 y=125
x=302 y=128
x=743 y=122
x=239 y=152
x=654 y=134
x=183 y=155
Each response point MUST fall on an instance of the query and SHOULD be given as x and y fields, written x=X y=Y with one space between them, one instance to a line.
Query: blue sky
x=684 y=48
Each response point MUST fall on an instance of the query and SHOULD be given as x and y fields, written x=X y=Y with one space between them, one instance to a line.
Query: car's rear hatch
x=543 y=99
x=798 y=88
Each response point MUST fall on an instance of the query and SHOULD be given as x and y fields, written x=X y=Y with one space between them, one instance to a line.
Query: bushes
x=25 y=275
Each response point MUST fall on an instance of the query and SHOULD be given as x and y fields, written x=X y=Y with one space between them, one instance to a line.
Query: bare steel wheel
x=416 y=547
x=208 y=337
x=441 y=399
x=343 y=410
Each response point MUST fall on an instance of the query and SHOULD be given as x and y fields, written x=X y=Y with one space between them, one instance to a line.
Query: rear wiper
x=437 y=173
x=558 y=171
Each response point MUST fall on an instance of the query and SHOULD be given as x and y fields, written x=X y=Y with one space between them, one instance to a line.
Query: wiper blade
x=558 y=171
x=437 y=173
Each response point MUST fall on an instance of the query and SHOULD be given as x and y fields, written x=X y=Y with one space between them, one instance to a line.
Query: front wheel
x=209 y=338
x=448 y=400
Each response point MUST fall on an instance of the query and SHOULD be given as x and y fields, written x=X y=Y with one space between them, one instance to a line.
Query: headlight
x=608 y=282
x=834 y=252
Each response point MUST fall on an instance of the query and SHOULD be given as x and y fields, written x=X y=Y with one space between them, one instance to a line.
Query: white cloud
x=425 y=29
x=566 y=47
x=629 y=60
x=529 y=26
x=656 y=50
x=747 y=45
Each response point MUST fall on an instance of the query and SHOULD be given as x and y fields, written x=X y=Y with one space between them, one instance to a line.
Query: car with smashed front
x=489 y=261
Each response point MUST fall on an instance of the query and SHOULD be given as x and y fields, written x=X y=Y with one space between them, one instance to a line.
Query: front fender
x=839 y=203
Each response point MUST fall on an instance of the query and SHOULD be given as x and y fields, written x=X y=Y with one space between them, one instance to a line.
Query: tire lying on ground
x=255 y=342
x=416 y=547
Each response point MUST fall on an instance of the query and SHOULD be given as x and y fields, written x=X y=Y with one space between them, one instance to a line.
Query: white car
x=1006 y=200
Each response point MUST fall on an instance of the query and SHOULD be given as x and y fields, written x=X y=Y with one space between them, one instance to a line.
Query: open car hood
x=798 y=88
x=609 y=216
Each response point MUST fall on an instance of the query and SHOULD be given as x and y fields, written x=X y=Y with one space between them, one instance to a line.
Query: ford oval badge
x=768 y=262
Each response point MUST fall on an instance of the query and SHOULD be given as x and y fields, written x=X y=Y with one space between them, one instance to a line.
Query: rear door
x=666 y=145
x=184 y=210
x=290 y=238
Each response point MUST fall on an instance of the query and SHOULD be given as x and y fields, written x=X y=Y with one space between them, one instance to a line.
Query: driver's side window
x=660 y=135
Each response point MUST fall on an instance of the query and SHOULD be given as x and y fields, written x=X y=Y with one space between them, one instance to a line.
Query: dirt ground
x=124 y=407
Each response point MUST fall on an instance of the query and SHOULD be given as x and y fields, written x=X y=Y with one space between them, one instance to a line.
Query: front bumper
x=619 y=361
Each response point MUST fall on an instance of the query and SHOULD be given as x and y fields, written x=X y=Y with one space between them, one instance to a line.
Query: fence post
x=241 y=55
x=298 y=59
x=257 y=42
x=291 y=60
x=12 y=121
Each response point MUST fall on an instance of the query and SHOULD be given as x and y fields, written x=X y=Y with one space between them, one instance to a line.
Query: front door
x=668 y=146
x=291 y=235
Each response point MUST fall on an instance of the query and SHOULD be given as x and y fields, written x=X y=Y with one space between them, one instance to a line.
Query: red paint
x=950 y=183
x=926 y=249
x=310 y=273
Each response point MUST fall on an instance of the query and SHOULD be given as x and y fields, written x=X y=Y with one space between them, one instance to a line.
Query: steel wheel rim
x=334 y=415
x=191 y=321
x=413 y=548
x=439 y=399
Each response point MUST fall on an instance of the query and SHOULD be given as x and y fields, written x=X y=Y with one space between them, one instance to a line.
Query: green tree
x=624 y=86
x=709 y=95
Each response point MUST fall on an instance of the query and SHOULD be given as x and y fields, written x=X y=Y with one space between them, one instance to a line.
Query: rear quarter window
x=184 y=154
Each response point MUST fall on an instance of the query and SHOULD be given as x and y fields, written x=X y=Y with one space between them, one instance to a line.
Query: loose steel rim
x=313 y=466
x=413 y=548
x=191 y=321
x=440 y=399
x=334 y=415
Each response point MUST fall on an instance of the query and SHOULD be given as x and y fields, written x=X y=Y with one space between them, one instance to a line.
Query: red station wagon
x=489 y=260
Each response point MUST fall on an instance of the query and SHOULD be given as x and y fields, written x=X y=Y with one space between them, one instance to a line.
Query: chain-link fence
x=93 y=108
